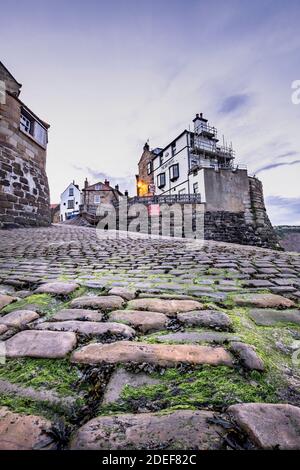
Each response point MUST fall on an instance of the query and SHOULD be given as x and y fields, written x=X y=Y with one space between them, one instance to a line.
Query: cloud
x=234 y=102
x=287 y=154
x=124 y=182
x=284 y=210
x=276 y=165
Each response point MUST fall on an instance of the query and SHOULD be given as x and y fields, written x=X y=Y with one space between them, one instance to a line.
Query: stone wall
x=24 y=192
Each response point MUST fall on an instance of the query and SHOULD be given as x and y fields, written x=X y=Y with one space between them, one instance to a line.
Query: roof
x=105 y=187
x=44 y=123
x=10 y=74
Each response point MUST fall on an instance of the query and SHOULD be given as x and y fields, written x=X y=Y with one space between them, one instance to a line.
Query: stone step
x=48 y=344
x=143 y=321
x=180 y=430
x=21 y=432
x=157 y=354
x=89 y=328
x=169 y=307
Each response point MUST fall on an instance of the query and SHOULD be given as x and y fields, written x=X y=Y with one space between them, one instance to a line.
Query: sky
x=109 y=75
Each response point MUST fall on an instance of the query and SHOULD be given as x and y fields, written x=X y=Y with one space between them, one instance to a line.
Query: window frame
x=71 y=204
x=159 y=176
x=98 y=197
x=171 y=170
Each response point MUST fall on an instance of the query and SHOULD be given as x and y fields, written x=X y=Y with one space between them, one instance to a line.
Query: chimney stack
x=117 y=187
x=86 y=183
x=126 y=193
x=106 y=182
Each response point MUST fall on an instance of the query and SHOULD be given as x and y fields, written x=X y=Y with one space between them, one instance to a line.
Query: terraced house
x=24 y=190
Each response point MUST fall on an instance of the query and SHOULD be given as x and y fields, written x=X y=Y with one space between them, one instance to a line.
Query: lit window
x=71 y=191
x=195 y=188
x=96 y=199
x=174 y=172
x=71 y=204
x=161 y=180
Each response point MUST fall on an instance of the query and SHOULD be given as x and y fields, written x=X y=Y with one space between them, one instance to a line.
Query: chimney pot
x=117 y=187
x=126 y=193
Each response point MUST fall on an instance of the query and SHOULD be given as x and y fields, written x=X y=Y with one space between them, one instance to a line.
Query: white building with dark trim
x=70 y=201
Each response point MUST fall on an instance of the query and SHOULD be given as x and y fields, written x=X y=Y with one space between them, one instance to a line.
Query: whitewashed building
x=70 y=201
x=181 y=167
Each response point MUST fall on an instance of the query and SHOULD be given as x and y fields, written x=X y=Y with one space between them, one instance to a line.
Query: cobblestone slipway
x=132 y=343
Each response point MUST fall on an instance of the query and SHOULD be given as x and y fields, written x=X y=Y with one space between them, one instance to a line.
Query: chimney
x=126 y=193
x=117 y=187
x=86 y=183
x=146 y=146
x=106 y=182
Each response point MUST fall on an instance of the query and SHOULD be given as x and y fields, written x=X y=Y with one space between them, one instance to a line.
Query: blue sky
x=109 y=75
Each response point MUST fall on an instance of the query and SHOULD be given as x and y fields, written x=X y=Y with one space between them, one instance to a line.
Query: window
x=161 y=160
x=173 y=148
x=30 y=126
x=71 y=204
x=96 y=199
x=25 y=124
x=97 y=187
x=174 y=172
x=71 y=191
x=161 y=180
x=195 y=188
x=149 y=168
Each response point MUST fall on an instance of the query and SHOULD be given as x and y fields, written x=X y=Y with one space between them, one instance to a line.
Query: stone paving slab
x=89 y=328
x=47 y=344
x=77 y=314
x=247 y=356
x=206 y=318
x=169 y=307
x=120 y=378
x=102 y=303
x=157 y=354
x=180 y=430
x=262 y=300
x=197 y=337
x=21 y=432
x=57 y=288
x=270 y=426
x=18 y=318
x=126 y=294
x=269 y=317
x=6 y=300
x=144 y=321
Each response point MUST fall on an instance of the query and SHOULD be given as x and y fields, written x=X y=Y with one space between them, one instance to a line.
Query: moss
x=25 y=406
x=58 y=375
x=205 y=387
x=44 y=301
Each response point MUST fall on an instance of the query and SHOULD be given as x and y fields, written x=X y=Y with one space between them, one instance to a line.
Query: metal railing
x=166 y=199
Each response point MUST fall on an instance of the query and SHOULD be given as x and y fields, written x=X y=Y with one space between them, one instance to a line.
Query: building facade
x=95 y=195
x=24 y=190
x=145 y=177
x=196 y=167
x=70 y=201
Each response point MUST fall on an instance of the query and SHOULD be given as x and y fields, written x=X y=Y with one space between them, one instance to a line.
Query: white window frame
x=161 y=177
x=172 y=168
x=71 y=204
x=97 y=199
x=71 y=192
